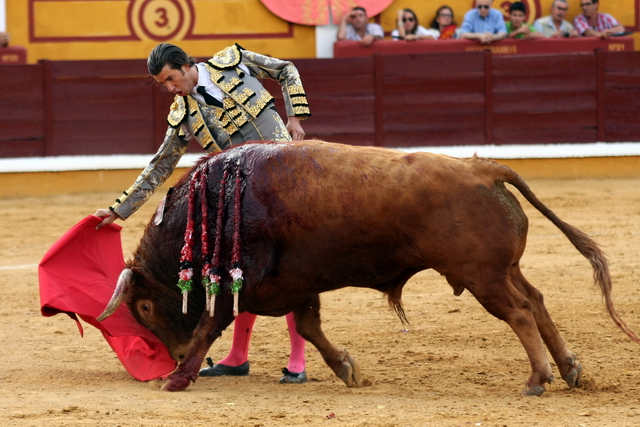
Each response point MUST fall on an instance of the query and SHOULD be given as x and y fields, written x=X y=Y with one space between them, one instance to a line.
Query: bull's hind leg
x=502 y=300
x=568 y=365
x=307 y=318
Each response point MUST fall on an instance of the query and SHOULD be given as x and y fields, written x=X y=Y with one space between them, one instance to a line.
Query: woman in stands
x=409 y=29
x=445 y=23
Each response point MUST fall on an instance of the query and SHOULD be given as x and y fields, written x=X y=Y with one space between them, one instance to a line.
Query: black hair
x=415 y=19
x=434 y=23
x=167 y=54
x=360 y=8
x=515 y=6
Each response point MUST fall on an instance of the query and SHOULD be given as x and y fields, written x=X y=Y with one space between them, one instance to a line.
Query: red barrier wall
x=350 y=49
x=463 y=98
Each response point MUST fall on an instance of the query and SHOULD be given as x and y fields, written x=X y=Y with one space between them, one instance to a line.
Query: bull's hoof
x=573 y=377
x=177 y=383
x=533 y=391
x=350 y=372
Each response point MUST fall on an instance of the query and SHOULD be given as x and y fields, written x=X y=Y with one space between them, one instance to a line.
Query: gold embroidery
x=244 y=96
x=206 y=142
x=225 y=120
x=261 y=103
x=228 y=104
x=232 y=130
x=231 y=85
x=193 y=106
x=241 y=120
x=295 y=90
x=197 y=125
x=228 y=57
x=176 y=112
x=301 y=110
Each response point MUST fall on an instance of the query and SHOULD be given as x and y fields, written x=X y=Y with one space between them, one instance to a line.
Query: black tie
x=208 y=98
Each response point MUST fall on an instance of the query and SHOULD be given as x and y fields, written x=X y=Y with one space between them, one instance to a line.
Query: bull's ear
x=122 y=287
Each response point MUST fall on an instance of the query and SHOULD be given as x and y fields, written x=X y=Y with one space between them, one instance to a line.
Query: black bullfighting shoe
x=218 y=370
x=293 y=377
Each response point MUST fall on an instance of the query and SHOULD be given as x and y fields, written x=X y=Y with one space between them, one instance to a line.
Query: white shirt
x=421 y=31
x=204 y=80
x=209 y=87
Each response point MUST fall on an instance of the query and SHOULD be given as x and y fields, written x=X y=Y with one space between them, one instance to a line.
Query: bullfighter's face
x=180 y=82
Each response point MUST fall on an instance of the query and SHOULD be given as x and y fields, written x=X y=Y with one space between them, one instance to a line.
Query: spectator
x=483 y=23
x=4 y=39
x=555 y=25
x=444 y=22
x=354 y=26
x=410 y=29
x=591 y=23
x=516 y=27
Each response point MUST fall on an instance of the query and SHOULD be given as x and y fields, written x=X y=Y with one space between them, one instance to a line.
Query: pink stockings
x=242 y=328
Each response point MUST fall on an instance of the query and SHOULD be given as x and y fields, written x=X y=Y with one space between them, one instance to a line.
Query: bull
x=318 y=216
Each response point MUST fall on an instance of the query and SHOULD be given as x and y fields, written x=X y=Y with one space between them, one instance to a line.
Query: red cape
x=78 y=275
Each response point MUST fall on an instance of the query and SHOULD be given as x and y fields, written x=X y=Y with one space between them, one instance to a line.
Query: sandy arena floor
x=457 y=366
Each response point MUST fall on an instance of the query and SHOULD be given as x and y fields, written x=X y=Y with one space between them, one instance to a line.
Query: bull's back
x=368 y=207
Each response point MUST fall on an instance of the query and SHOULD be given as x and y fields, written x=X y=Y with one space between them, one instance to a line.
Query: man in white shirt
x=555 y=25
x=355 y=26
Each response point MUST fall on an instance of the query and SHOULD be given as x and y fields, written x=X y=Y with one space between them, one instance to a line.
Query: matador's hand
x=108 y=216
x=295 y=129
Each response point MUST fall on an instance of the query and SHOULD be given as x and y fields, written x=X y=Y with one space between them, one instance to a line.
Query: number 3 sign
x=161 y=20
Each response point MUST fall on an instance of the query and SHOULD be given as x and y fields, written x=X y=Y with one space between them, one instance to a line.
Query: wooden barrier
x=453 y=98
x=13 y=55
x=353 y=49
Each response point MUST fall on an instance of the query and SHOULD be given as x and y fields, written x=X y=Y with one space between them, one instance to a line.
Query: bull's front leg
x=207 y=331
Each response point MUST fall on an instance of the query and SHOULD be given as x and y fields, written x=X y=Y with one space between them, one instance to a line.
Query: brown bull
x=318 y=216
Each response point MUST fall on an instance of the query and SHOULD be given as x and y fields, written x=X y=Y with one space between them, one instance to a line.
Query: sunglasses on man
x=483 y=6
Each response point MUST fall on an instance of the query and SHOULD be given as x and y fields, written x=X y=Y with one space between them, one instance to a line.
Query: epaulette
x=227 y=58
x=177 y=112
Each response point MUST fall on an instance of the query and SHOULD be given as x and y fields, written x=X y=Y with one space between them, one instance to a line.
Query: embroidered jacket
x=244 y=99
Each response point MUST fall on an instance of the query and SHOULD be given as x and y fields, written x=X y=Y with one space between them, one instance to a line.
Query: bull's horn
x=124 y=281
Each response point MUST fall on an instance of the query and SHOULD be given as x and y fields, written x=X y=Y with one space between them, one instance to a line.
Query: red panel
x=515 y=135
x=621 y=61
x=536 y=121
x=347 y=124
x=103 y=137
x=343 y=49
x=123 y=68
x=434 y=137
x=21 y=148
x=96 y=101
x=433 y=64
x=18 y=130
x=13 y=55
x=447 y=84
x=544 y=102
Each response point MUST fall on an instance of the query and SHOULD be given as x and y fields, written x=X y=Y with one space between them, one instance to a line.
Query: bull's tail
x=583 y=243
